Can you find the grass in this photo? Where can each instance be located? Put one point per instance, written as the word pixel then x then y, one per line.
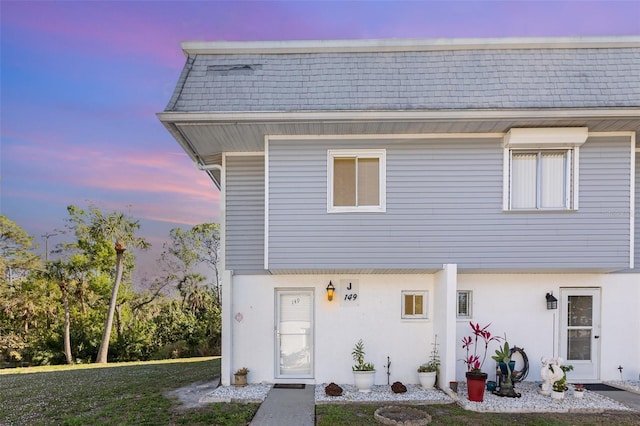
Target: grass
pixel 122 394
pixel 135 394
pixel 452 414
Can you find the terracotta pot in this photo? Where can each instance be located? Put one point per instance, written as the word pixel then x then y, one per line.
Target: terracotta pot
pixel 475 386
pixel 241 379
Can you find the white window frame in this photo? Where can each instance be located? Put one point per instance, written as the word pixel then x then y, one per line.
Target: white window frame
pixel 425 304
pixel 540 140
pixel 381 155
pixel 568 186
pixel 469 313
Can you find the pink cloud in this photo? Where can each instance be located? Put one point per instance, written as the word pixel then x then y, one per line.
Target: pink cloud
pixel 159 184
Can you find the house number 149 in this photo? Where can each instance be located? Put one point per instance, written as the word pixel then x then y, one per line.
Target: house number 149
pixel 351 292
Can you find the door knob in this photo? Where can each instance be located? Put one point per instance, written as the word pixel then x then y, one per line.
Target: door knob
pixel 596 337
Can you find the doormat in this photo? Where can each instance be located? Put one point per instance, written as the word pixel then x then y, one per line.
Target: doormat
pixel 599 387
pixel 289 386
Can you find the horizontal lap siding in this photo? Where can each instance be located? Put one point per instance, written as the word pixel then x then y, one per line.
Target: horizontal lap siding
pixel 444 205
pixel 244 188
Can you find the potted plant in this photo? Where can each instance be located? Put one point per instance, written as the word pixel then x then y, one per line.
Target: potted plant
pixel 428 372
pixel 363 372
pixel 578 390
pixel 557 374
pixel 476 379
pixel 506 366
pixel 240 376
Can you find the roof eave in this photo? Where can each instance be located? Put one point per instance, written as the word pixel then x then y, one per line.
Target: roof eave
pixel 295 116
pixel 403 45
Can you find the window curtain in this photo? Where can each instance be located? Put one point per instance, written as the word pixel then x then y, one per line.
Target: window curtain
pixel 524 180
pixel 552 177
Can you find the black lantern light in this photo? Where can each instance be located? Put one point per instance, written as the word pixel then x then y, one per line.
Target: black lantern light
pixel 330 290
pixel 552 302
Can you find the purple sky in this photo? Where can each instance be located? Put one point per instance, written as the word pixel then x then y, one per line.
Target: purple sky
pixel 81 83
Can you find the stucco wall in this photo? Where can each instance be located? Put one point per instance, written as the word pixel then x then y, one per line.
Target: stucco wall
pixel 337 328
pixel 513 303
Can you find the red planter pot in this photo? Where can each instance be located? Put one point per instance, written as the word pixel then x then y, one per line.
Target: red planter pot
pixel 476 384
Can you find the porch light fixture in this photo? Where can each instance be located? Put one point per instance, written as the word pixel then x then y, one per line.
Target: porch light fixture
pixel 552 302
pixel 330 290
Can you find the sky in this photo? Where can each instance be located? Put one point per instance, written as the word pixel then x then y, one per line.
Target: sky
pixel 81 83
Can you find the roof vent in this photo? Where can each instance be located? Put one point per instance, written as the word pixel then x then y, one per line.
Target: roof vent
pixel 235 69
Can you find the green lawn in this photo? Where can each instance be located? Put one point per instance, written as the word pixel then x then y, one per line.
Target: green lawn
pixel 454 415
pixel 135 394
pixel 115 394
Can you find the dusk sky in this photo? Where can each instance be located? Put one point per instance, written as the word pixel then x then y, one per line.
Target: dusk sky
pixel 81 83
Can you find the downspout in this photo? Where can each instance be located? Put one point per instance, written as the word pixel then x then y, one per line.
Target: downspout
pixel 209 168
pixel 226 279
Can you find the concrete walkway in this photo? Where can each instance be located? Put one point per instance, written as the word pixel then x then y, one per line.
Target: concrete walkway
pixel 287 407
pixel 630 399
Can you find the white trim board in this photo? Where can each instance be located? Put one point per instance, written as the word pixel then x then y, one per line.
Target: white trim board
pixel 403 45
pixel 196 118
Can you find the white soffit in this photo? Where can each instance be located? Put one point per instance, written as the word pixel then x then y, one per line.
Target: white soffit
pixel 545 137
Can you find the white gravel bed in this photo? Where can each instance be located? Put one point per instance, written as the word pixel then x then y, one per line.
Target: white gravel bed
pixel 250 393
pixel 532 402
pixel 630 386
pixel 383 393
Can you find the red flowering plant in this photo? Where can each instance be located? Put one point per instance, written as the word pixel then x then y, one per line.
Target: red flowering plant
pixel 480 336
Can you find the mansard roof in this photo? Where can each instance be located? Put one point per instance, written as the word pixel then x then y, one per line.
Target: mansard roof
pixel 384 75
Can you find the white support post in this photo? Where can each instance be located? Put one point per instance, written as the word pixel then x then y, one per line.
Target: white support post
pixel 446 285
pixel 227 328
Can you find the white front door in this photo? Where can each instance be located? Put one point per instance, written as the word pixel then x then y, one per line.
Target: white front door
pixel 580 332
pixel 294 334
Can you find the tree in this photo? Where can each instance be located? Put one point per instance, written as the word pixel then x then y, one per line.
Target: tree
pixel 16 258
pixel 19 309
pixel 93 227
pixel 184 261
pixel 198 246
pixel 58 272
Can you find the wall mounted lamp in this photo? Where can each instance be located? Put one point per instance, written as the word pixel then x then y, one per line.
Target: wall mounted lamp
pixel 330 291
pixel 552 302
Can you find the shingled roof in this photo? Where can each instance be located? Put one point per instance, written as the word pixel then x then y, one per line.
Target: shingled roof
pixel 231 94
pixel 409 75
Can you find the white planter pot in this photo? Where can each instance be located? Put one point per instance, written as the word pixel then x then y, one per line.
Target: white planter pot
pixel 364 380
pixel 578 394
pixel 428 379
pixel 557 395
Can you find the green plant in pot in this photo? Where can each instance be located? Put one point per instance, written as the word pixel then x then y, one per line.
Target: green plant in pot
pixel 560 385
pixel 503 358
pixel 428 372
pixel 363 372
pixel 554 373
pixel 241 376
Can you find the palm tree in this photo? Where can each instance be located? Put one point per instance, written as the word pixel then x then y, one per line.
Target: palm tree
pixel 59 273
pixel 120 229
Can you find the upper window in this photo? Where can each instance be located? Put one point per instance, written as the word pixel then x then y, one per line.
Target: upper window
pixel 357 181
pixel 414 304
pixel 541 179
pixel 540 168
